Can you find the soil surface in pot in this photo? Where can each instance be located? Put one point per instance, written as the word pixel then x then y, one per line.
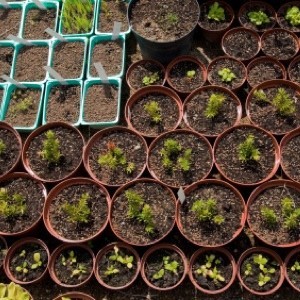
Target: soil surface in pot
pixel 64 103
pixel 23 107
pixel 142 121
pixel 61 220
pixel 101 103
pixel 124 274
pixel 37 21
pixel 207 233
pixel 280 45
pixel 133 150
pixel 200 160
pixel 110 54
pixel 242 45
pixel 165 20
pixel 234 66
pixel 196 107
pixel 162 208
pixel 30 63
pixel 10 20
pixel 24 257
pixel 68 59
pixel 294 275
pixel 6 59
pixel 70 147
pixel 272 198
pixel 294 72
pixel 73 265
pixel 251 171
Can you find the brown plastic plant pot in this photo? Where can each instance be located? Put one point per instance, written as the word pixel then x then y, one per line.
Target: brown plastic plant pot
pixel 210 34
pixel 118 232
pixel 269 252
pixel 223 252
pixel 140 94
pixel 281 12
pixel 55 254
pixel 109 247
pixel 98 136
pixel 252 198
pixel 189 59
pixel 55 192
pixel 265 60
pixel 148 64
pixel 294 64
pixel 75 295
pixel 40 130
pixel 286 264
pixel 11 251
pixel 3 250
pixel 257 6
pixel 163 246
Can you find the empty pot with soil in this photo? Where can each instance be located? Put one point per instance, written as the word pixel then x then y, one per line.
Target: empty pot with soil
pixel 288 16
pixel 7 50
pixel 294 70
pixel 292 268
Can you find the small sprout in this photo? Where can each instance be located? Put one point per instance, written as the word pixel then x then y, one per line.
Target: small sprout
pixel 172 267
pixel 70 260
pixel 287 206
pixel 226 75
pixel 296 266
pixel 146 216
pixel 293 15
pixel 2 147
pixel 260 260
pixel 23 268
pixel 151 79
pixel 184 161
pixel 105 9
pixel 247 150
pixel 214 105
pixel 284 103
pixel 190 74
pixel 160 274
pixel 12 206
pixel 263 279
pixel 269 216
pixel 81 269
pixel 51 148
pixel 111 270
pixel 154 111
pixel 292 221
pixel 260 95
pixel 23 253
pixel 258 18
pixel 216 12
pixel 23 104
pixel 172 19
pixel 37 261
pixel 248 270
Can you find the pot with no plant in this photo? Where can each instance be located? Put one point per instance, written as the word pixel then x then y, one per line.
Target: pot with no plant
pixel 294 70
pixel 292 268
pixel 164 267
pixel 76 210
pixel 215 19
pixel 212 214
pixel 275 106
pixel 26 261
pixel 71 266
pixel 246 155
pixel 288 16
pixel 74 296
pixel 274 213
pixel 179 158
pixel 260 271
pixel 117 266
pixel 53 152
pixel 212 271
pixel 153 110
pixel 142 212
pixel 13 291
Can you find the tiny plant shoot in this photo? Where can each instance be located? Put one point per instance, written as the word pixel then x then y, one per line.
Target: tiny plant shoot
pixel 12 206
pixel 190 74
pixel 51 148
pixel 172 19
pixel 154 111
pixel 226 75
pixel 2 147
pixel 258 18
pixel 168 267
pixel 293 15
pixel 296 267
pixel 216 13
pixel 214 105
pixel 151 79
pixel 247 150
pixel 23 103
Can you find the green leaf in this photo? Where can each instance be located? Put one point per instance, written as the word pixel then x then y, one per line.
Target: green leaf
pixel 159 274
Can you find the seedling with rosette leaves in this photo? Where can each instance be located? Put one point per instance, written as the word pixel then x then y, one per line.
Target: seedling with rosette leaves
pixel 12 206
pixel 247 151
pixel 153 109
pixel 168 267
pixel 216 12
pixel 214 105
pixel 258 18
pixel 226 75
pixel 51 148
pixel 293 15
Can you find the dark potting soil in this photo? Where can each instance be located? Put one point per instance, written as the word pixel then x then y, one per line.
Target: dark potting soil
pixel 235 67
pixel 280 45
pixel 125 274
pixel 200 160
pixel 110 12
pixel 294 276
pixel 179 79
pixel 271 198
pixel 64 103
pixel 134 152
pixel 164 20
pixel 68 59
pixel 263 71
pixel 10 20
pixel 64 266
pixel 23 115
pixel 195 108
pixel 18 259
pixel 3 250
pixel 227 156
pixel 241 45
pixel 294 72
pixel 110 54
pixel 30 63
pixel 266 116
pixel 252 280
pixel 155 263
pixel 37 21
pixel 101 103
pixel 34 198
pixel 162 207
pixel 6 59
pixel 70 147
pixel 283 23
pixel 77 230
pixel 224 268
pixel 12 150
pixel 207 233
pixel 142 121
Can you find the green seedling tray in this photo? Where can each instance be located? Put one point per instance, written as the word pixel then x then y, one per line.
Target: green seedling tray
pixel 5 104
pixel 117 82
pixel 103 38
pixel 49 86
pixel 71 39
pixel 13 45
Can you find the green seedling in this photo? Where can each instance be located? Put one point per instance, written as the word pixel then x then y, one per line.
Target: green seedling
pixel 23 103
pixel 123 259
pixel 171 267
pixel 2 147
pixel 214 105
pixel 269 216
pixel 226 75
pixel 293 15
pixel 258 18
pixel 111 270
pixel 37 261
pixel 191 74
pixel 79 271
pixel 12 206
pixel 172 19
pixel 260 96
pixel 23 268
pixel 263 279
pixel 154 111
pixel 247 150
pixel 70 260
pixel 151 79
pixel 51 148
pixel 105 9
pixel 13 291
pixel 295 267
pixel 216 12
pixel 248 270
